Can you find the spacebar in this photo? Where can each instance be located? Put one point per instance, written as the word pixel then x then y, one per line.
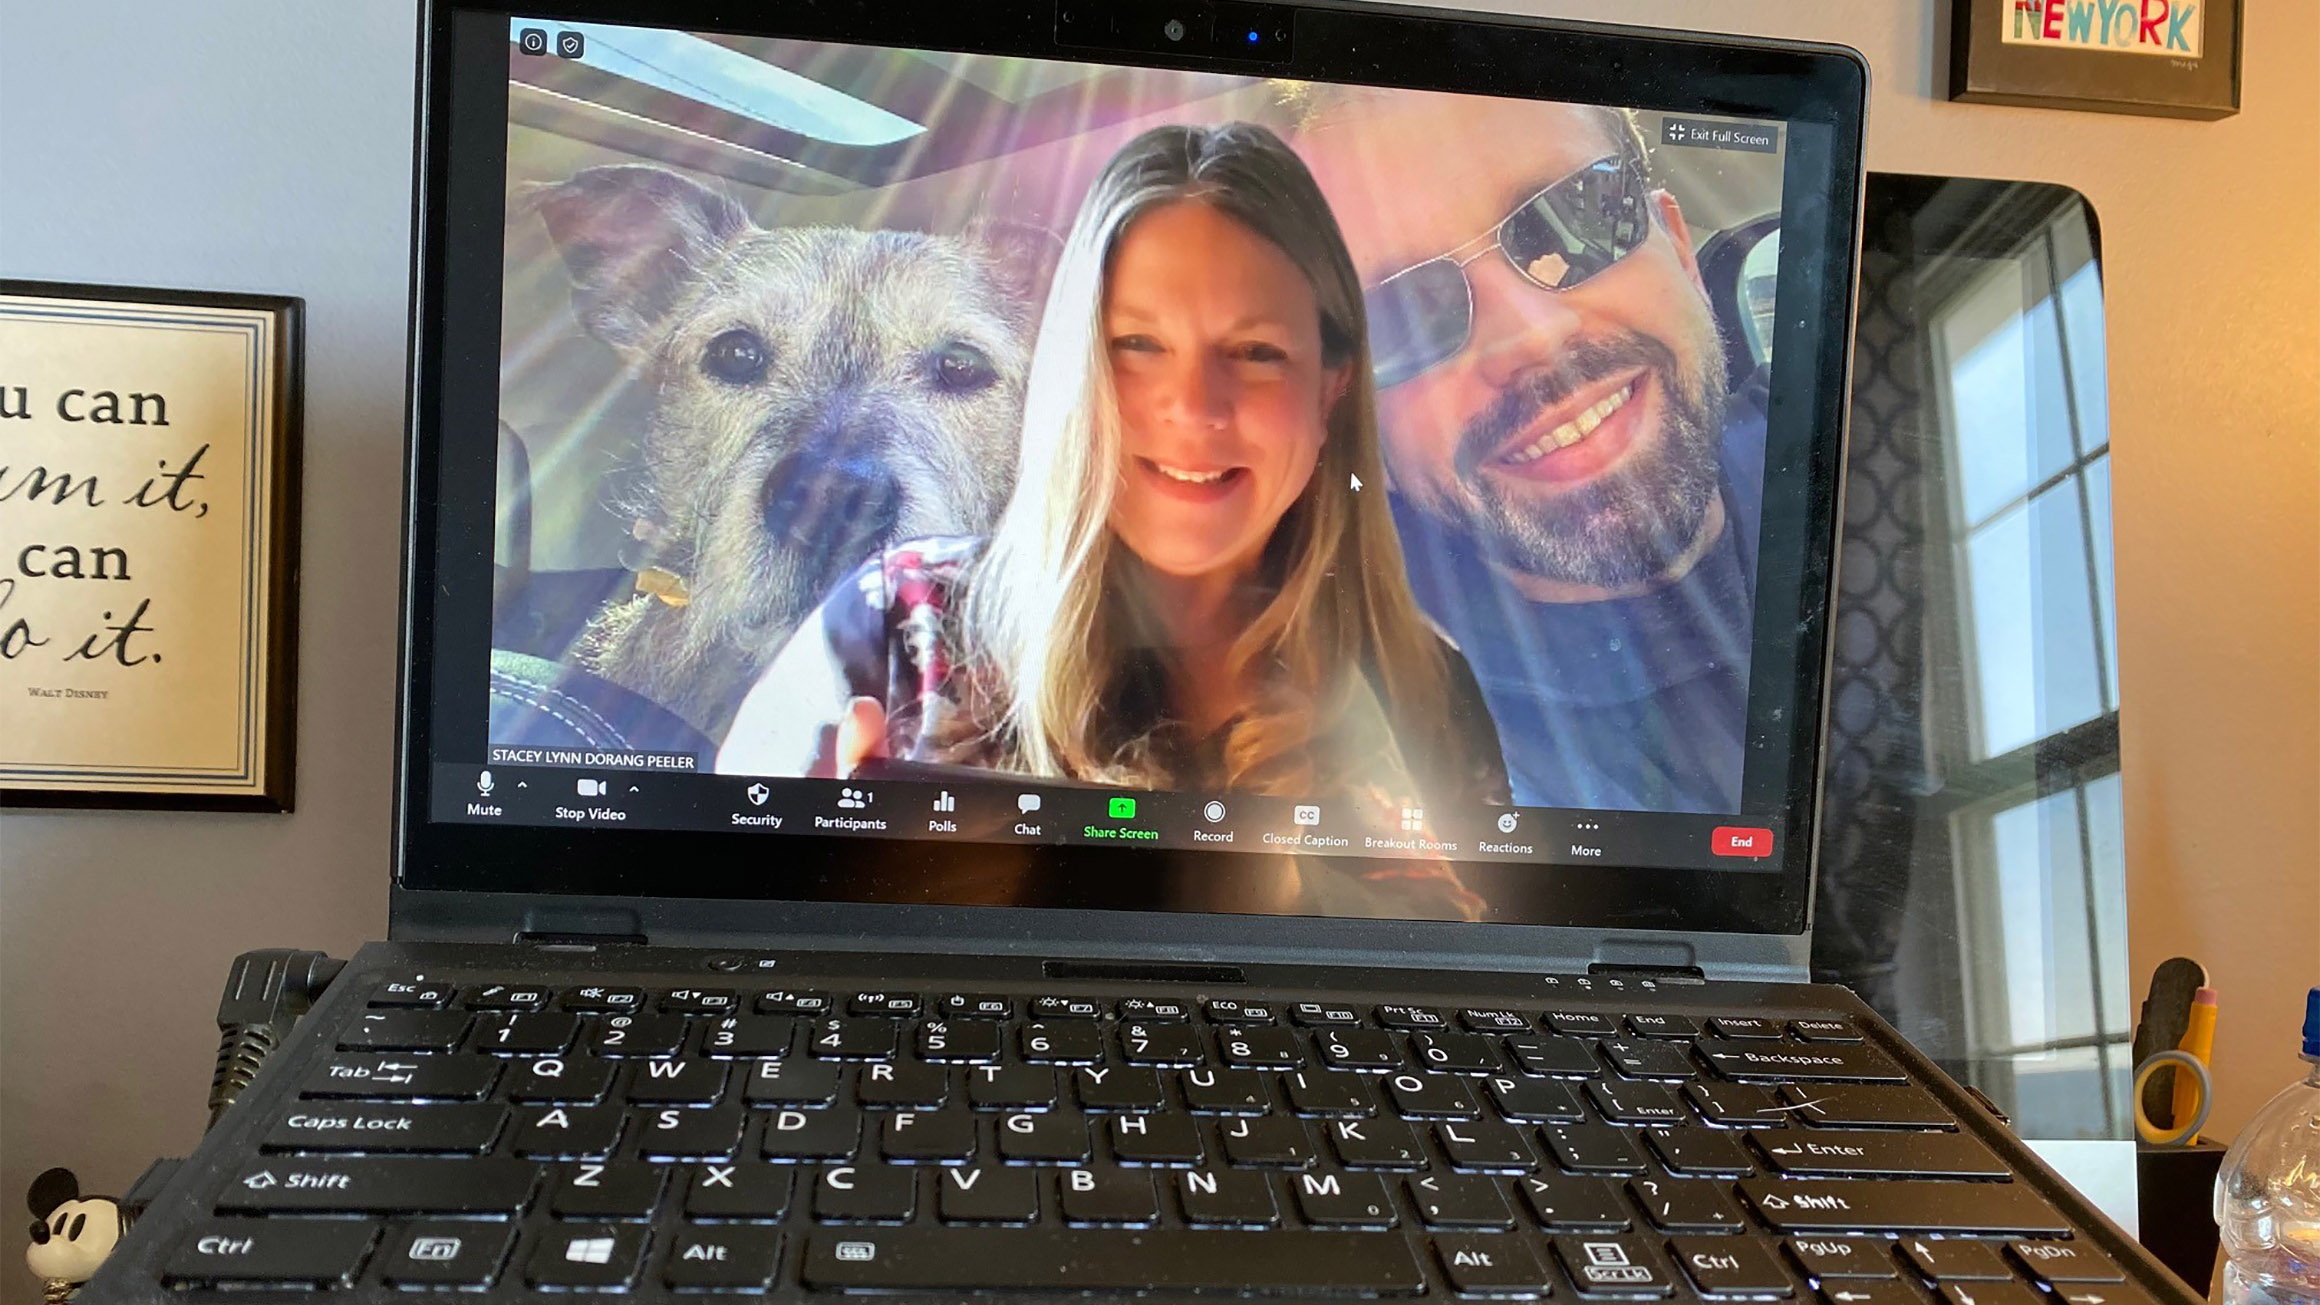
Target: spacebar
pixel 1026 1259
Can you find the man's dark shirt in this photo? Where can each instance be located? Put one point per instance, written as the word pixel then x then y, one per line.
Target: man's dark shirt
pixel 1631 704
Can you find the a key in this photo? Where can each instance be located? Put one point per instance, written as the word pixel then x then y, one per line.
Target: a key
pixel 1328 1094
pixel 1663 1026
pixel 1334 1199
pixel 906 1084
pixel 676 1082
pixel 1990 1293
pixel 686 1133
pixel 1097 1197
pixel 1066 1008
pixel 1456 1053
pixel 1431 1096
pixel 1824 1031
pixel 2057 1263
pixel 524 1033
pixel 380 1185
pixel 1536 1101
pixel 254 1253
pixel 866 1194
pixel 1372 1049
pixel 1567 1203
pixel 1224 1198
pixel 622 1190
pixel 1061 1042
pixel 883 1003
pixel 1260 1048
pixel 921 1137
pixel 566 1132
pixel 506 996
pixel 1411 1018
pixel 962 1041
pixel 1842 1257
pixel 1948 1259
pixel 1459 1201
pixel 1739 1105
pixel 1375 1144
pixel 842 1038
pixel 950 1261
pixel 826 1133
pixel 1992 1209
pixel 1701 1152
pixel 793 1001
pixel 1744 1026
pixel 638 1035
pixel 1844 1105
pixel 1274 1143
pixel 1650 1058
pixel 1730 1266
pixel 559 1080
pixel 448 1129
pixel 1486 1265
pixel 445 1253
pixel 1136 1009
pixel 1322 1014
pixel 586 1257
pixel 1168 1044
pixel 1636 1103
pixel 1169 1140
pixel 1784 1062
pixel 1232 1010
pixel 392 1077
pixel 1583 1023
pixel 604 1000
pixel 738 1190
pixel 1612 1266
pixel 1484 1146
pixel 1118 1087
pixel 739 1260
pixel 987 1194
pixel 700 1001
pixel 1818 1153
pixel 404 1030
pixel 991 1087
pixel 1686 1204
pixel 1495 1021
pixel 1047 1137
pixel 412 994
pixel 1593 1148
pixel 1554 1057
pixel 966 1006
pixel 1224 1091
pixel 791 1083
pixel 1870 1292
pixel 748 1037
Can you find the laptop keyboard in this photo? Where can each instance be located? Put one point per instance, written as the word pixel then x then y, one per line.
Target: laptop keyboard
pixel 518 1138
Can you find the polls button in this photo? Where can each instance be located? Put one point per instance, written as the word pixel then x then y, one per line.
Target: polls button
pixel 1733 840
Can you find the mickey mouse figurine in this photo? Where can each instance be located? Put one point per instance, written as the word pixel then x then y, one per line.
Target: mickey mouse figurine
pixel 71 1234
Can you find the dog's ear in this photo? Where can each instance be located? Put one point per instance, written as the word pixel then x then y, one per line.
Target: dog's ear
pixel 1023 257
pixel 633 237
pixel 53 1188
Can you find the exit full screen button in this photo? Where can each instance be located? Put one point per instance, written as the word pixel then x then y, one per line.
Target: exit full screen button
pixel 1737 840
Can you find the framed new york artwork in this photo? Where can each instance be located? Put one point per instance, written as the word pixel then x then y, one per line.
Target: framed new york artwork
pixel 149 447
pixel 2168 58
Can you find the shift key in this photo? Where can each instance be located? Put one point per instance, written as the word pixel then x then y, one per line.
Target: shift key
pixel 1902 1206
pixel 385 1185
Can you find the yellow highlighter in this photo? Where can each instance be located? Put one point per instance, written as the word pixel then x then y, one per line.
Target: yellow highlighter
pixel 2199 1040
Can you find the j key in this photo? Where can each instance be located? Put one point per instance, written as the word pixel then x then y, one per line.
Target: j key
pixel 861 1038
pixel 380 1185
pixel 1784 1062
pixel 1066 1008
pixel 739 1190
pixel 1328 1094
pixel 1701 1152
pixel 1837 1106
pixel 1824 1031
pixel 1991 1293
pixel 1106 1197
pixel 1485 1146
pixel 793 1001
pixel 1491 1266
pixel 524 1033
pixel 1686 1204
pixel 1431 1096
pixel 1554 1057
pixel 883 1003
pixel 1456 1053
pixel 1322 1014
pixel 505 996
pixel 1536 1101
pixel 1842 1257
pixel 1215 1198
pixel 1118 1087
pixel 404 1030
pixel 1612 1266
pixel 1739 1105
pixel 866 1194
pixel 605 1000
pixel 1161 1044
pixel 1582 1023
pixel 1062 1042
pixel 1224 1091
pixel 1357 1048
pixel 412 994
pixel 1171 1140
pixel 1730 1266
pixel 586 1257
pixel 721 1259
pixel 903 1083
pixel 248 1253
pixel 965 1006
pixel 748 1037
pixel 1376 1144
pixel 2055 1263
pixel 1141 1009
pixel 1232 1010
pixel 1341 1200
pixel 827 1134
pixel 404 1078
pixel 1902 1206
pixel 1564 1203
pixel 993 1086
pixel 701 1001
pixel 1594 1148
pixel 447 1129
pixel 1809 1153
pixel 1744 1026
pixel 987 1194
pixel 1649 1058
pixel 1623 1102
pixel 1495 1021
pixel 1260 1048
pixel 567 1132
pixel 791 1083
pixel 920 1137
pixel 1047 1138
pixel 559 1080
pixel 638 1035
pixel 1663 1026
pixel 1276 1143
pixel 679 1133
pixel 1459 1201
pixel 1946 1259
pixel 442 1253
pixel 676 1082
pixel 625 1190
pixel 949 1261
pixel 1411 1018
pixel 963 1041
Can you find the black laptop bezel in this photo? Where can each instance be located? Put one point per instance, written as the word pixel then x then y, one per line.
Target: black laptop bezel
pixel 463 879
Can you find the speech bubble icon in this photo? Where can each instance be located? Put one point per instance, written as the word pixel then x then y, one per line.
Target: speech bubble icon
pixel 1026 803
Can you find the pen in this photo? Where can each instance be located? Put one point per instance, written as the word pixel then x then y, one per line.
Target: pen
pixel 2199 1040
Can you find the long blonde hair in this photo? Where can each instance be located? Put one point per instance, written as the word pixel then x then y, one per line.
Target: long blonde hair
pixel 1053 616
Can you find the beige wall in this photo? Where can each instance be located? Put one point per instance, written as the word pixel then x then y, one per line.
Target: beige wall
pixel 263 145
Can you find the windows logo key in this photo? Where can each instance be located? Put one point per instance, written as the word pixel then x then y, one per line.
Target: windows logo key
pixel 588 1250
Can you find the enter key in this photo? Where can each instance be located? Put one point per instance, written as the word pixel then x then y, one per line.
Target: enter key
pixel 1818 1153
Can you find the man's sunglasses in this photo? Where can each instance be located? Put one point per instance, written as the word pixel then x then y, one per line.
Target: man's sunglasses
pixel 1423 315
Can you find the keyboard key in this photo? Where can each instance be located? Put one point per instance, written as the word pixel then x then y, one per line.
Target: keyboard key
pixel 1583 1023
pixel 1857 1292
pixel 1142 1009
pixel 1232 1010
pixel 1411 1018
pixel 1048 1137
pixel 1457 1053
pixel 586 1257
pixel 899 1004
pixel 1701 1152
pixel 866 1194
pixel 1107 1197
pixel 1342 1200
pixel 1663 1026
pixel 1612 1266
pixel 1175 1045
pixel 1650 1058
pixel 2056 1263
pixel 1946 1260
pixel 1594 1148
pixel 1214 1198
pixel 1902 1206
pixel 1554 1057
pixel 793 1001
pixel 559 1080
pixel 955 1260
pixel 1118 1087
pixel 829 1133
pixel 2103 1294
pixel 604 1000
pixel 1842 1257
pixel 965 1006
pixel 1824 1031
pixel 920 1137
pixel 1565 1203
pixel 627 1190
pixel 961 1041
pixel 404 1030
pixel 250 1253
pixel 1495 1021
pixel 444 1253
pixel 506 996
pixel 1171 1140
pixel 1730 1266
pixel 791 1083
pixel 1376 1144
pixel 1459 1201
pixel 987 1194
pixel 1275 1143
pixel 1739 1105
pixel 906 1084
pixel 1328 1094
pixel 1357 1049
pixel 567 1132
pixel 687 1133
pixel 866 1038
pixel 381 1185
pixel 1322 1014
pixel 721 1259
pixel 635 1035
pixel 1847 1106
pixel 1536 1101
pixel 1431 1096
pixel 1066 1008
pixel 1990 1293
pixel 1623 1102
pixel 439 1129
pixel 1686 1204
pixel 676 1082
pixel 1808 1153
pixel 524 1033
pixel 1744 1026
pixel 700 1001
pixel 738 1191
pixel 1062 1042
pixel 1224 1092
pixel 1483 1265
pixel 1783 1062
pixel 1484 1146
pixel 1260 1048
pixel 412 994
pixel 990 1087
pixel 748 1037
pixel 392 1077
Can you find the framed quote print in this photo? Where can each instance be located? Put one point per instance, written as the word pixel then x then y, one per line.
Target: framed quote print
pixel 149 447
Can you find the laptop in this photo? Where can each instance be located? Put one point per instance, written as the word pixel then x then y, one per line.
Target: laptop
pixel 1123 649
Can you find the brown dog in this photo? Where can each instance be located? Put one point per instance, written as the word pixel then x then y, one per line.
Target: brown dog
pixel 820 392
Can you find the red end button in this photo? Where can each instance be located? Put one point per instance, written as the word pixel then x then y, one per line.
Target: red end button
pixel 1731 840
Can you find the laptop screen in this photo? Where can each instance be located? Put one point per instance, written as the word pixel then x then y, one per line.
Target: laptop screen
pixel 1331 498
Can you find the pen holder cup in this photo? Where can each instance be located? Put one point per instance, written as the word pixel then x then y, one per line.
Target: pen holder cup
pixel 2176 1194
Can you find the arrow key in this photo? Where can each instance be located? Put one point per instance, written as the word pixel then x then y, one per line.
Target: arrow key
pixel 1854 1292
pixel 1944 1260
pixel 1990 1293
pixel 2106 1294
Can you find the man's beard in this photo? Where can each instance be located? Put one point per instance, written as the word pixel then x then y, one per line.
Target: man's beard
pixel 1629 524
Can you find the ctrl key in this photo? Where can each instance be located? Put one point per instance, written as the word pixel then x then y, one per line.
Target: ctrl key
pixel 271 1253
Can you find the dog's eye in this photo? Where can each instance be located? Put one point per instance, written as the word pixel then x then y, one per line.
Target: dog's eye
pixel 962 368
pixel 737 357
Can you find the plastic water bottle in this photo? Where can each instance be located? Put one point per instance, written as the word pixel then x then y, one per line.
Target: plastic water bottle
pixel 2267 1196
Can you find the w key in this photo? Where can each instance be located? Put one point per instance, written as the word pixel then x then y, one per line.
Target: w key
pixel 450 1129
pixel 676 1082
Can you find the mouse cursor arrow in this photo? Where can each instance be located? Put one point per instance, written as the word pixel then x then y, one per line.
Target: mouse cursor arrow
pixel 1357 484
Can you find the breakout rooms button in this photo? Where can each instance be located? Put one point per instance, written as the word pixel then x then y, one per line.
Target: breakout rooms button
pixel 1732 840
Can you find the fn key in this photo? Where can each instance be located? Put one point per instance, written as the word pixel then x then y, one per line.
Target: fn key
pixel 266 1253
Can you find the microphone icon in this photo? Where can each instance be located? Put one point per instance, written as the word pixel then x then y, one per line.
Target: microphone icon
pixel 483 783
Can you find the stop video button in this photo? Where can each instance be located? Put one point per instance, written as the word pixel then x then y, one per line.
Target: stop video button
pixel 1735 840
